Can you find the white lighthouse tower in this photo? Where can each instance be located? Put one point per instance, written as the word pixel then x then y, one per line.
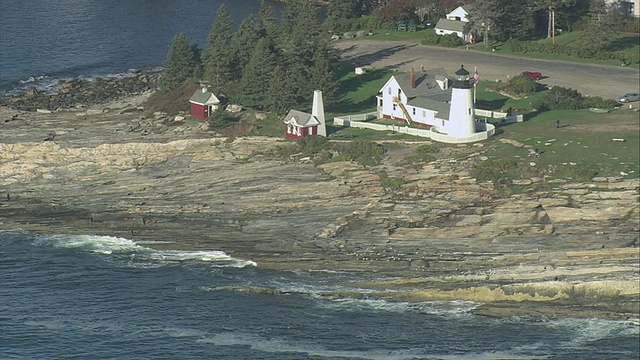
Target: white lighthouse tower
pixel 461 112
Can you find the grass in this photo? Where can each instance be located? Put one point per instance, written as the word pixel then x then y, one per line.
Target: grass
pixel 489 100
pixel 359 92
pixel 619 42
pixel 583 140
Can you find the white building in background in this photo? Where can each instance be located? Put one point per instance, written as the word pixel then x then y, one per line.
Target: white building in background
pixel 456 22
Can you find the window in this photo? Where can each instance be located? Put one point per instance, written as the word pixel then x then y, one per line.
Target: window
pixel 394 107
pixel 424 113
pixel 389 91
pixel 380 103
pixel 442 122
pixel 469 111
pixel 414 111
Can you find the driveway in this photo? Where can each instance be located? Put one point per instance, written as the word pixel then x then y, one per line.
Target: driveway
pixel 608 82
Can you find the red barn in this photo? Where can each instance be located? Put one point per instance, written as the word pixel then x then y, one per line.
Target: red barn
pixel 300 124
pixel 203 103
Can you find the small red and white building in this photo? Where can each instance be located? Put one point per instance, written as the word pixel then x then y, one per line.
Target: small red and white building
pixel 300 124
pixel 203 103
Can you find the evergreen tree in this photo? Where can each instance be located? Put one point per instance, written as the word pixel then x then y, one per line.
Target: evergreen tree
pixel 182 63
pixel 517 21
pixel 253 90
pixel 281 96
pixel 243 43
pixel 267 18
pixel 323 77
pixel 217 57
pixel 599 30
pixel 486 16
pixel 343 9
pixel 553 9
pixel 196 53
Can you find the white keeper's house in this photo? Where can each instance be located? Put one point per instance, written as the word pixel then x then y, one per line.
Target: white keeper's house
pixel 431 100
pixel 456 22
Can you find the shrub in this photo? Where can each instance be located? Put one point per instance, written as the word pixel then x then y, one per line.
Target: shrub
pixel 221 119
pixel 362 151
pixel 427 149
pixel 521 86
pixel 560 98
pixel 494 170
pixel 389 182
pixel 450 40
pixel 312 145
pixel 431 38
pixel 518 87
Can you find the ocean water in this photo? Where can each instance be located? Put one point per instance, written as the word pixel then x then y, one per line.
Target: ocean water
pixel 97 297
pixel 42 41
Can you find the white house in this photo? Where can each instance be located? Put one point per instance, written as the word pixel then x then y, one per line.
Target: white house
pixel 456 22
pixel 416 98
pixel 430 99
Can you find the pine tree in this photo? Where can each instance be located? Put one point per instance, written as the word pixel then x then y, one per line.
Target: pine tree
pixel 599 30
pixel 253 90
pixel 182 63
pixel 323 77
pixel 267 18
pixel 281 96
pixel 243 43
pixel 486 16
pixel 217 57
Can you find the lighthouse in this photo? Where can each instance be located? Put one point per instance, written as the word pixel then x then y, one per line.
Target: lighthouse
pixel 461 111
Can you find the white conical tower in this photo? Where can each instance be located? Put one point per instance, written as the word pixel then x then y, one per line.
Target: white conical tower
pixel 461 113
pixel 317 110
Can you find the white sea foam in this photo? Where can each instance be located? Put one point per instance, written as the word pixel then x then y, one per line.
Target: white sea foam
pixel 279 345
pixel 584 331
pixel 138 256
pixel 444 308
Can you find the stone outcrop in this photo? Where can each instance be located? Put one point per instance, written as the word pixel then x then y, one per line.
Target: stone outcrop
pixel 443 235
pixel 78 92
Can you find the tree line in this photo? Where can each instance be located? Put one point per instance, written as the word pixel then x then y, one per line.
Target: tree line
pixel 265 64
pixel 275 65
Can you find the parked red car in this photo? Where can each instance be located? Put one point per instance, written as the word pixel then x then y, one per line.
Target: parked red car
pixel 532 75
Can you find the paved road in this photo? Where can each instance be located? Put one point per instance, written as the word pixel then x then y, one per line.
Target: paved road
pixel 608 82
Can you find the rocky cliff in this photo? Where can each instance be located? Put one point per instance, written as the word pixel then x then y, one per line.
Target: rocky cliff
pixel 442 236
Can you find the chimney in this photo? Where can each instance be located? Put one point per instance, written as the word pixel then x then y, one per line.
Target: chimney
pixel 317 110
pixel 412 79
pixel 204 89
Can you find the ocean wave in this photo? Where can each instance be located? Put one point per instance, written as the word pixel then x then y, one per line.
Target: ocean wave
pixel 585 331
pixel 135 254
pixel 440 308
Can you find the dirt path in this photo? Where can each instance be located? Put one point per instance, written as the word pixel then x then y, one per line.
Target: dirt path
pixel 592 80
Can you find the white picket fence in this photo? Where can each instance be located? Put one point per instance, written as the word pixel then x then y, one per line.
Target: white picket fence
pixel 486 130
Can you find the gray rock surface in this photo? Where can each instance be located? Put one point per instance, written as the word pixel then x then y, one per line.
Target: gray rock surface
pixel 443 235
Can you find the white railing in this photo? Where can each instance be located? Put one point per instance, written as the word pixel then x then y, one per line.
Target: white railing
pixel 486 130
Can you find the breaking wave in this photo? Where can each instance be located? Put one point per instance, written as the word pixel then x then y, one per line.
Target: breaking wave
pixel 136 254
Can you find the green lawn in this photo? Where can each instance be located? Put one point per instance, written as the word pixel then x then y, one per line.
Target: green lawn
pixel 359 92
pixel 585 139
pixel 620 42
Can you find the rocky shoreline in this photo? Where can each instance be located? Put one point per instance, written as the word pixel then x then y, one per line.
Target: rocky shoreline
pixel 570 250
pixel 81 93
